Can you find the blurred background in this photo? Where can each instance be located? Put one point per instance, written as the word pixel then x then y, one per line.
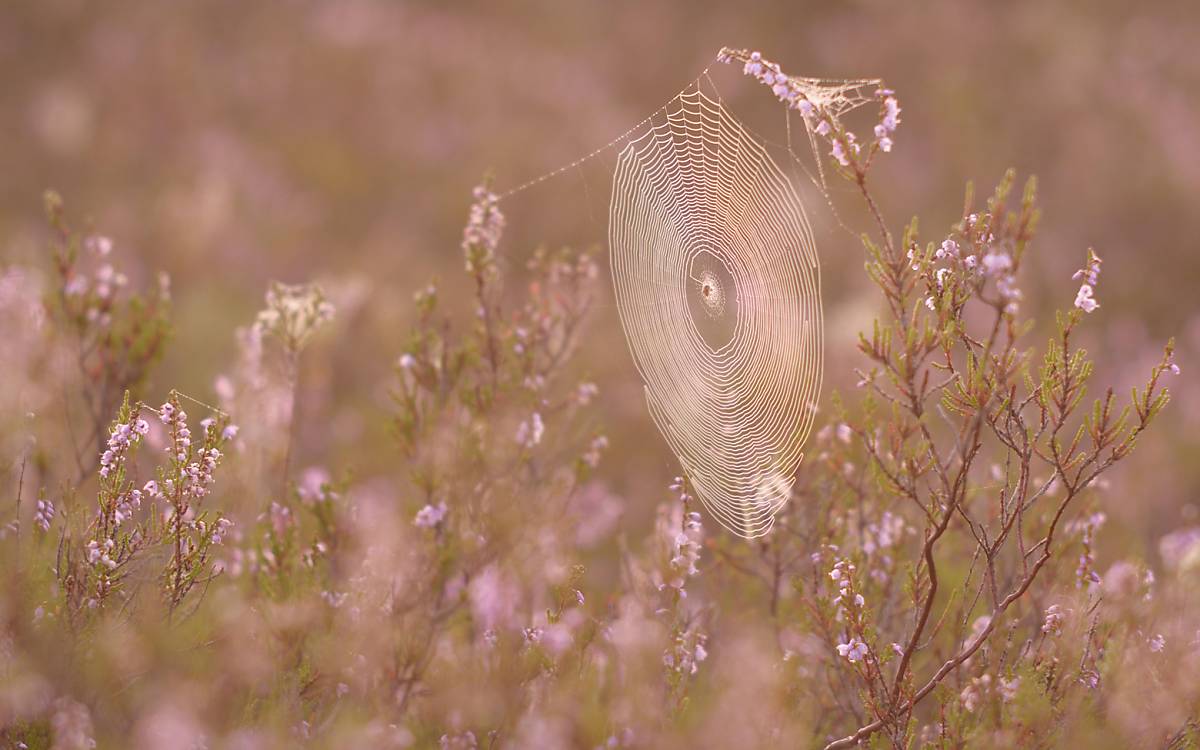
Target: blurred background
pixel 232 143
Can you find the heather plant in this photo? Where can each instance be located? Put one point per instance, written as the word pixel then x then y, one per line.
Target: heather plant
pixel 938 577
pixel 116 336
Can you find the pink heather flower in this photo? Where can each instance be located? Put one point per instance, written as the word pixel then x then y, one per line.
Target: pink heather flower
pixel 948 249
pixel 529 432
pixel 481 235
pixel 1052 624
pixel 1179 546
pixel 430 516
pixel 973 693
pixel 312 481
pixel 1084 299
pixel 585 393
pixel 43 515
pixel 995 263
pixel 76 286
pixel 823 127
pixel 591 456
pixel 532 635
pixel 1157 643
pixel 839 152
pixel 891 116
pixel 853 650
pixel 123 437
pixel 1090 273
pixel 464 741
pixel 98 553
pixel 98 245
pixel 230 432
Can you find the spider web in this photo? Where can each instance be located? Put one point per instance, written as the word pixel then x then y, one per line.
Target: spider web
pixel 717 286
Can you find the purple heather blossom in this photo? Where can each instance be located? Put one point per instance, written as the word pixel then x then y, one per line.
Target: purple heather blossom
pixel 853 650
pixel 591 456
pixel 43 514
pixel 481 235
pixel 1084 299
pixel 995 263
pixel 1179 546
pixel 1053 622
pixel 98 245
pixel 839 153
pixel 1090 275
pixel 529 432
pixel 123 437
pixel 430 516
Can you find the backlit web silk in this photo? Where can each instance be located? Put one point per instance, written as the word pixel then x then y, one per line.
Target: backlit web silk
pixel 718 290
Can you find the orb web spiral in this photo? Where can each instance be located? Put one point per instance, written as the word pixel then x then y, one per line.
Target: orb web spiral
pixel 718 290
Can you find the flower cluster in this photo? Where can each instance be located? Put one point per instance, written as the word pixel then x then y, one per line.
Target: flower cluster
pixel 820 103
pixel 684 543
pixel 481 235
pixel 843 575
pixel 591 457
pixel 686 652
pixel 123 437
pixel 530 431
pixel 1090 274
pixel 195 473
pixel 1052 623
pixel 430 516
pixel 889 121
pixel 853 650
pixel 789 90
pixel 1086 528
pixel 294 312
pixel 43 514
pixel 989 259
pixel 94 293
pixel 99 553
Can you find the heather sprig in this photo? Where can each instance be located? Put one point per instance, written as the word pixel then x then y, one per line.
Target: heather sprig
pixel 118 335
